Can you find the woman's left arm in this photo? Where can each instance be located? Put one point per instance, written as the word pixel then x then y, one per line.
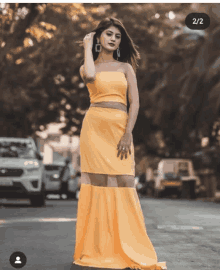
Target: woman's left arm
pixel 133 97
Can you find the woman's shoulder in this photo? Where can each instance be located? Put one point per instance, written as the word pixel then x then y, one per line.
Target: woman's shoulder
pixel 128 69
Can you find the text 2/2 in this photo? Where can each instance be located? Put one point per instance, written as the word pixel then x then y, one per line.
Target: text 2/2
pixel 196 21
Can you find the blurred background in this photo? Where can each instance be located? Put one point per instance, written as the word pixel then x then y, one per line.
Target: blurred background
pixel 42 95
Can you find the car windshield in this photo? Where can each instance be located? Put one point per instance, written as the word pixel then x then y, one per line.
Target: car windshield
pixel 183 172
pixel 183 169
pixel 17 150
pixel 170 175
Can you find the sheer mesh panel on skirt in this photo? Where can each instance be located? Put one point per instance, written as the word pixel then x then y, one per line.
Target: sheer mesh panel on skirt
pixel 107 180
pixel 110 227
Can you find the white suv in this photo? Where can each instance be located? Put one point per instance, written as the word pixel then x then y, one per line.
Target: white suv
pixel 21 170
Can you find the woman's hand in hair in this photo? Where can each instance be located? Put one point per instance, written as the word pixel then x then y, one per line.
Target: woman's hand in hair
pixel 88 40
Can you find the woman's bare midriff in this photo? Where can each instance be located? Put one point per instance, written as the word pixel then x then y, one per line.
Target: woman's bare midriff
pixel 110 104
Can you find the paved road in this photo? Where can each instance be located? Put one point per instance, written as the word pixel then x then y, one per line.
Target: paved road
pixel 184 233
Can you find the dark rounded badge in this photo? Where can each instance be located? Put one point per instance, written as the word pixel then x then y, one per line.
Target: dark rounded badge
pixel 18 259
pixel 197 21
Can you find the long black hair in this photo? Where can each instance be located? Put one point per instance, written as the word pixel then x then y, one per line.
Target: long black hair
pixel 128 52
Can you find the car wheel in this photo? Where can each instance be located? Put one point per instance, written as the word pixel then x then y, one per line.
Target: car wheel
pixel 71 195
pixel 38 200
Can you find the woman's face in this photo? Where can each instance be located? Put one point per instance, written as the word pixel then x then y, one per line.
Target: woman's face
pixel 111 35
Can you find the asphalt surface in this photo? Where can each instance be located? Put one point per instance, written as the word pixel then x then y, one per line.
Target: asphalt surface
pixel 185 234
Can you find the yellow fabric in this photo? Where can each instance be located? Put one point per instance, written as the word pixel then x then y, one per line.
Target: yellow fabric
pixel 108 86
pixel 102 129
pixel 110 230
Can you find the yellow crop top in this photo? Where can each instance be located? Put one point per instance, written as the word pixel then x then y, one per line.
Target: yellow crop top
pixel 108 86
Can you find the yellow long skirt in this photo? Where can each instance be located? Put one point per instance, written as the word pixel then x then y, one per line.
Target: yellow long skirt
pixel 110 227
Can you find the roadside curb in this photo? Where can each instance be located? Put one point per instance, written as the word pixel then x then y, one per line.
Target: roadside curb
pixel 215 199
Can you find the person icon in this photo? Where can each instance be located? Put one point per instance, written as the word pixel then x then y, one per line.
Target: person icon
pixel 18 260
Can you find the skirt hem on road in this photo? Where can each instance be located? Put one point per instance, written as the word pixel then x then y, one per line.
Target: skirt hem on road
pixel 111 232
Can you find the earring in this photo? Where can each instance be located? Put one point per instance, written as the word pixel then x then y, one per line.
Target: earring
pixel 118 52
pixel 96 48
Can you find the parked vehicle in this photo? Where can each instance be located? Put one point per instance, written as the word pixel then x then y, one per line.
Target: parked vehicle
pixel 21 170
pixel 176 176
pixel 53 182
pixel 51 178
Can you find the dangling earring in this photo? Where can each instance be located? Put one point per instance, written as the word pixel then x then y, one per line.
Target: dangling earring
pixel 118 52
pixel 96 47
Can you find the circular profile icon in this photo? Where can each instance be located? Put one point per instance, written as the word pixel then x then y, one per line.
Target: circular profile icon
pixel 18 259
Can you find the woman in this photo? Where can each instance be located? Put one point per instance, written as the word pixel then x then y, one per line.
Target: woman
pixel 110 228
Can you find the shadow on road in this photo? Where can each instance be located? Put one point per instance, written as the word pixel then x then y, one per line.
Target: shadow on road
pixel 78 267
